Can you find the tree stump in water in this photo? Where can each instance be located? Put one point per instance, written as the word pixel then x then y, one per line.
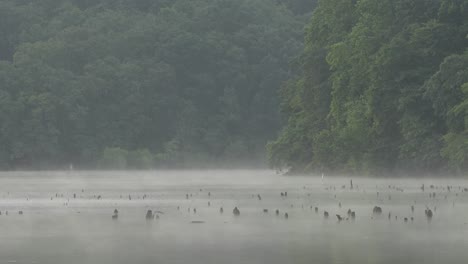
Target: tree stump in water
pixel 236 211
pixel 377 210
pixel 149 215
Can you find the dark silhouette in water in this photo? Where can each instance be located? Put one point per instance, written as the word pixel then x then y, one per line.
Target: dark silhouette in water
pixel 428 213
pixel 339 218
pixel 316 209
pixel 412 208
pixel 149 215
pixel 221 210
pixel 277 212
pixel 115 215
pixel 325 214
pixel 236 211
pixel 265 210
pixel 286 215
pixel 377 210
pixel 259 197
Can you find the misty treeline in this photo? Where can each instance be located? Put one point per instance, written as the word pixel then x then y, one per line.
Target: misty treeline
pixel 143 83
pixel 383 89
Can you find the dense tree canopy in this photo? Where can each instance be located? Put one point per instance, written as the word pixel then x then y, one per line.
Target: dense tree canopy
pixel 381 86
pixel 130 84
pixel 383 89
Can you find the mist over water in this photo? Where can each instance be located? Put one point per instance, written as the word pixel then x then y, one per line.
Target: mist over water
pixel 55 229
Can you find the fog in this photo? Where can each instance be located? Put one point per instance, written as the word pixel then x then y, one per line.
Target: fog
pixel 55 229
pixel 119 120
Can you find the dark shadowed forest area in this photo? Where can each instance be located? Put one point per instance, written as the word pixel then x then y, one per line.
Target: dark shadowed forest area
pixel 143 83
pixel 327 86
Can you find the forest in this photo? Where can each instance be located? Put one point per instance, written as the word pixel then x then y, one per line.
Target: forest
pixel 143 83
pixel 382 89
pixel 366 87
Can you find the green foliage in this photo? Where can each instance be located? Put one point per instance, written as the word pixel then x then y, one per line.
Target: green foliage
pixel 456 141
pixel 140 159
pixel 113 158
pixel 380 90
pixel 118 158
pixel 190 81
pixel 456 150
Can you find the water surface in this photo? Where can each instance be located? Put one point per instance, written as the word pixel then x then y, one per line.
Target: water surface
pixel 57 228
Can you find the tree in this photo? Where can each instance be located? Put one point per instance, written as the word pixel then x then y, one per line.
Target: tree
pixel 371 98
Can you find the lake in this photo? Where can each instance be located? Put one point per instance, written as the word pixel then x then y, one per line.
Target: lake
pixel 57 227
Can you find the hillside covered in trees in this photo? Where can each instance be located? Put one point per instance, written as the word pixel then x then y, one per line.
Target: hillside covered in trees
pixel 143 83
pixel 383 89
pixel 379 86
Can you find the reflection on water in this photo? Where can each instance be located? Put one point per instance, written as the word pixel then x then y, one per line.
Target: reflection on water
pixel 58 228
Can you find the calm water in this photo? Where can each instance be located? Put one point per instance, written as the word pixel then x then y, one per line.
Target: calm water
pixel 56 229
